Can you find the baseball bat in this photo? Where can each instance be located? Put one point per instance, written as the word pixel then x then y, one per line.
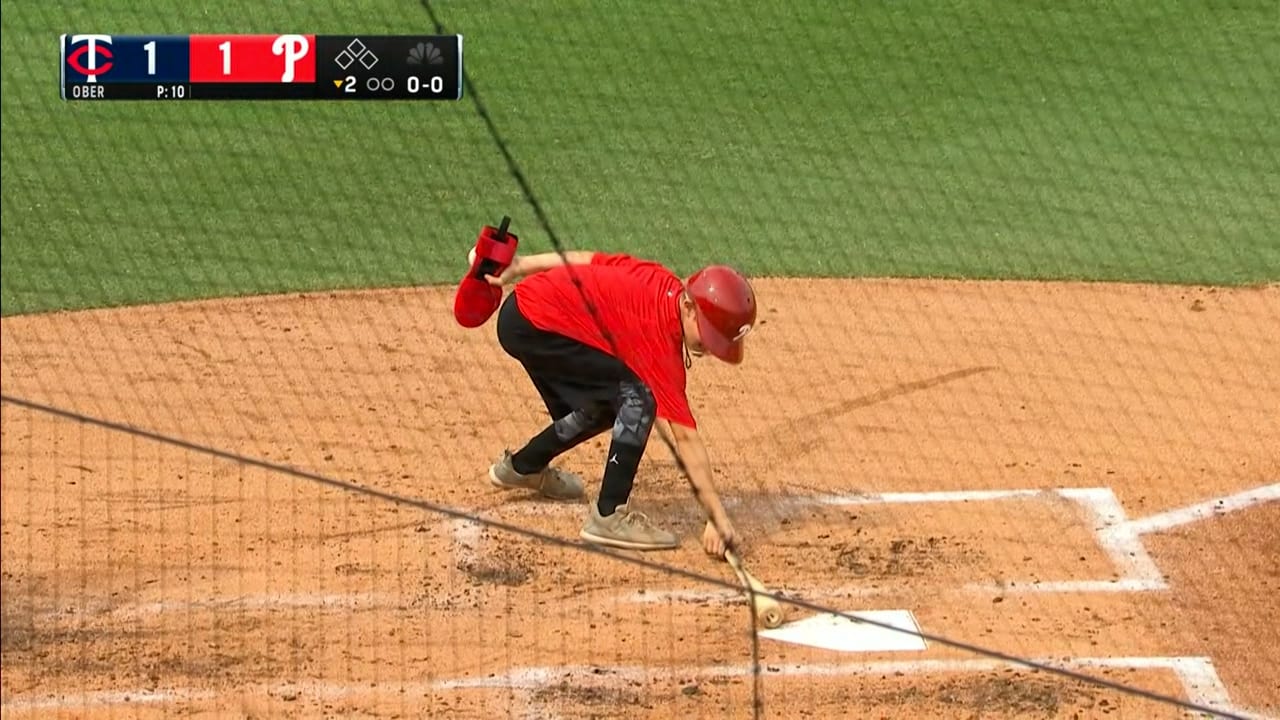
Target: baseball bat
pixel 767 609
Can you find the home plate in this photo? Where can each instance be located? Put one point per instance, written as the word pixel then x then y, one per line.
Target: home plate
pixel 834 632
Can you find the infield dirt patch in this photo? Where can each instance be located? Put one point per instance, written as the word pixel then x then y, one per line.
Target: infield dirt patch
pixel 142 578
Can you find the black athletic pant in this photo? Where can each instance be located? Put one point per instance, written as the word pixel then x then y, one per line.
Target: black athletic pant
pixel 586 392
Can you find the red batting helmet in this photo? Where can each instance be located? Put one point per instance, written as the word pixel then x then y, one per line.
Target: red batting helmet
pixel 726 309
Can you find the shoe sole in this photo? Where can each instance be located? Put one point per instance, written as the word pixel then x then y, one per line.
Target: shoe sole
pixel 625 544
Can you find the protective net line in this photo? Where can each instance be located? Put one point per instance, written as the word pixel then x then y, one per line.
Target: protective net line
pixel 534 535
pixel 531 198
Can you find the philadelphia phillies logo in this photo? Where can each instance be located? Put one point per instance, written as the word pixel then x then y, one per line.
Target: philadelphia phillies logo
pixel 94 46
pixel 292 48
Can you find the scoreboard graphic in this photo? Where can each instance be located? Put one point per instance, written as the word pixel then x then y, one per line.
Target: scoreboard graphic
pixel 261 67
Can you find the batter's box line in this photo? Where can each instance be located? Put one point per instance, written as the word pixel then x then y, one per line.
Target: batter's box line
pixel 264 601
pixel 1199 678
pixel 734 597
pixel 1119 536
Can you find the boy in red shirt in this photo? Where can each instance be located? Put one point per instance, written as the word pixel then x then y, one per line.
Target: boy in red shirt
pixel 606 340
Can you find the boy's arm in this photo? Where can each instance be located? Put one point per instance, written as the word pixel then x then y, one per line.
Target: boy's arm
pixel 523 265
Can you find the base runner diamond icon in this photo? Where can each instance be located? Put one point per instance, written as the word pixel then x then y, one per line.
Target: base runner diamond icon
pixel 356 52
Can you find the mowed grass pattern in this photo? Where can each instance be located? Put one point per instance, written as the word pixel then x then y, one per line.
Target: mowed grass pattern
pixel 959 139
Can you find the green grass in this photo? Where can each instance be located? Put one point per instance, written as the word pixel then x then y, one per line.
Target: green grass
pixel 1131 141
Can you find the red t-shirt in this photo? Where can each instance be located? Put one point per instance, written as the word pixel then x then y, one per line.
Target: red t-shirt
pixel 636 301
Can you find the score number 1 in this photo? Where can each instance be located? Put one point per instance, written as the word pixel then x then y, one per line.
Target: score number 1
pixel 150 47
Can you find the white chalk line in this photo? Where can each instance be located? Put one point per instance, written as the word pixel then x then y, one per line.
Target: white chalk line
pixel 1210 508
pixel 1120 585
pixel 904 498
pixel 1123 546
pixel 258 601
pixel 1118 536
pixel 816 595
pixel 466 537
pixel 540 676
pixel 1197 675
pixel 1137 572
pixel 384 602
pixel 726 597
pixel 313 690
pixel 105 698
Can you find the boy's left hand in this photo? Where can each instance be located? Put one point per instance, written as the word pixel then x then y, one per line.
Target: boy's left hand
pixel 509 274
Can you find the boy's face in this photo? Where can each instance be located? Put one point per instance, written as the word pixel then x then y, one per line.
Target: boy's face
pixel 689 318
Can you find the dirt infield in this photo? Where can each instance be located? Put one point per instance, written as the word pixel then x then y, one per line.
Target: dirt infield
pixel 1078 473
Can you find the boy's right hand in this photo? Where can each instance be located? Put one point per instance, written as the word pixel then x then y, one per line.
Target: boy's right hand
pixel 718 537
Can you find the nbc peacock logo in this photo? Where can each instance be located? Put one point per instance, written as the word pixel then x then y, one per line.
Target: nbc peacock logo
pixel 425 54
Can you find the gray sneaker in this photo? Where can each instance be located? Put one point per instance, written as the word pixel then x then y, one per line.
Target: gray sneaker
pixel 551 482
pixel 628 529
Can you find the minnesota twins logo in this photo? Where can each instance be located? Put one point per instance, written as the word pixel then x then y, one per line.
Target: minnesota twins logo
pixel 94 46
